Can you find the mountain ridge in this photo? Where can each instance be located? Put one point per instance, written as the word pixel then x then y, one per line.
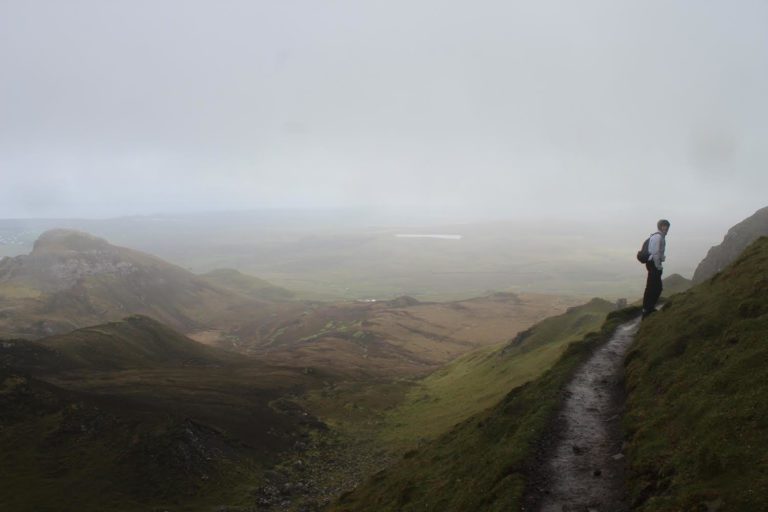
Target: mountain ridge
pixel 738 238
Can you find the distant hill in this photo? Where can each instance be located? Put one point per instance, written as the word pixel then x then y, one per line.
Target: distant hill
pixel 402 337
pixel 736 240
pixel 675 283
pixel 249 286
pixel 135 342
pixel 72 279
pixel 697 378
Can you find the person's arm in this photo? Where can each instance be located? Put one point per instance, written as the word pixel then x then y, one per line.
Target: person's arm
pixel 654 248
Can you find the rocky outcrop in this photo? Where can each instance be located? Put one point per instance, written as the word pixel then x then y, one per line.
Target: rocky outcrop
pixel 72 279
pixel 736 240
pixel 62 257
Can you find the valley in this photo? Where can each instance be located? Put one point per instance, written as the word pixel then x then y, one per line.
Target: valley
pixel 140 384
pixel 273 383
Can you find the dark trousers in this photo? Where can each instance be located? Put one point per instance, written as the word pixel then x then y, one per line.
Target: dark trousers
pixel 652 287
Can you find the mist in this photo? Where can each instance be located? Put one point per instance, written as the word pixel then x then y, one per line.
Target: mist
pixel 497 110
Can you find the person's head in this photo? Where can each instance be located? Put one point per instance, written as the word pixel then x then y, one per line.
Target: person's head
pixel 663 226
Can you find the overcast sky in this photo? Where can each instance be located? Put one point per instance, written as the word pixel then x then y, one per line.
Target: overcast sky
pixel 511 109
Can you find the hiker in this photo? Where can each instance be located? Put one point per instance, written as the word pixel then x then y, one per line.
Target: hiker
pixel 656 246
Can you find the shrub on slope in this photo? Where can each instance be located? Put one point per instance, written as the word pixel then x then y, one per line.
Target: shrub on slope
pixel 697 378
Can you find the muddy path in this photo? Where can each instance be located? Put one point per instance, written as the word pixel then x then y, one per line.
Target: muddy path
pixel 583 465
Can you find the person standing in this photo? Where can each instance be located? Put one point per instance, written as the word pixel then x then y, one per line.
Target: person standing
pixel 656 247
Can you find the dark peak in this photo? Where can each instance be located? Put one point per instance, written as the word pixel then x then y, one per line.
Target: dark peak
pixel 137 321
pixel 143 320
pixel 224 272
pixel 403 301
pixel 68 240
pixel 676 278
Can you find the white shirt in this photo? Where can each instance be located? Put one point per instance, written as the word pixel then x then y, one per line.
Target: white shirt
pixel 656 246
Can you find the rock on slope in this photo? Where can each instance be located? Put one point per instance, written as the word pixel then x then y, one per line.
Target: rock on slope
pixel 736 240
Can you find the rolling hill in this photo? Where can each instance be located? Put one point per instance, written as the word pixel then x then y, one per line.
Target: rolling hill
pixel 135 342
pixel 398 338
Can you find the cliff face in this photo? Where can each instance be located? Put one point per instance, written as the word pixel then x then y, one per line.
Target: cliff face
pixel 736 240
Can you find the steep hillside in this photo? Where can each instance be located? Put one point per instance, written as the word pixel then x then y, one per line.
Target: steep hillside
pixel 72 279
pixel 697 378
pixel 481 378
pixel 736 240
pixel 482 463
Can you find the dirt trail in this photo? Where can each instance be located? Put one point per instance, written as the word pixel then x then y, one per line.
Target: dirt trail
pixel 584 469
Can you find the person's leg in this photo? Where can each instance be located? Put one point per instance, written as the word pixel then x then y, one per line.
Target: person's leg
pixel 647 305
pixel 657 287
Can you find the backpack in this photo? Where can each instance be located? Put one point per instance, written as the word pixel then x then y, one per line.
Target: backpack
pixel 643 255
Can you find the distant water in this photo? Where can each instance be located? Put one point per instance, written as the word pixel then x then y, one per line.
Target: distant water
pixel 443 237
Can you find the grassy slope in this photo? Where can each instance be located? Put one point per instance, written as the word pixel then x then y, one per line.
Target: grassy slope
pixel 135 342
pixel 250 286
pixel 480 379
pixel 131 414
pixel 480 464
pixel 698 378
pixel 104 455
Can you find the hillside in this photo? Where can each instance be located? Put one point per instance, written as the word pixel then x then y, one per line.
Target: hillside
pixel 398 338
pixel 481 378
pixel 249 286
pixel 697 379
pixel 736 240
pixel 72 279
pixel 132 415
pixel 483 462
pixel 135 342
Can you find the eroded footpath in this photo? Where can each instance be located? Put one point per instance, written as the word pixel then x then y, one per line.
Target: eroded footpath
pixel 584 467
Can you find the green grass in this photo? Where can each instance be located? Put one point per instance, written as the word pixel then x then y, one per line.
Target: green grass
pixel 250 286
pixel 697 377
pixel 480 379
pixel 135 342
pixel 99 461
pixel 481 463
